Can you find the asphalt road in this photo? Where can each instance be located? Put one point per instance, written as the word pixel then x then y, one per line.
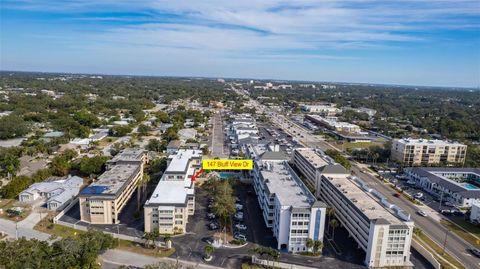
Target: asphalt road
pixel 455 245
pixel 218 138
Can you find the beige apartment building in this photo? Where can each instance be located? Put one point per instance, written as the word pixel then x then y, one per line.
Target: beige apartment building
pixel 104 199
pixel 423 152
pixel 173 200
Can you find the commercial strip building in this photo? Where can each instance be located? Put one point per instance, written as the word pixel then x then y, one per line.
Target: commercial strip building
pixel 323 109
pixel 381 229
pixel 333 124
pixel 58 193
pixel 460 186
pixel 422 152
pixel 103 200
pixel 173 200
pixel 288 207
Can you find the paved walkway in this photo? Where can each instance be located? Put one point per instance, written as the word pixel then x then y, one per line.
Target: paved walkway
pixel 17 230
pixel 122 257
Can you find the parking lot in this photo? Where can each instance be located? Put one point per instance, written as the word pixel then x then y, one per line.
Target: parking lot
pixel 129 225
pixel 446 208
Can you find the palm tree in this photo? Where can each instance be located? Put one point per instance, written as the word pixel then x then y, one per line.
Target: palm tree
pixel 334 225
pixel 330 213
pixel 309 243
pixel 141 189
pixel 417 231
pixel 209 249
pixel 167 238
pixel 317 246
pixel 148 236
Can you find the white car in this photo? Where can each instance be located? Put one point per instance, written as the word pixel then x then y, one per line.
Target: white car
pixel 238 206
pixel 240 237
pixel 241 226
pixel 422 213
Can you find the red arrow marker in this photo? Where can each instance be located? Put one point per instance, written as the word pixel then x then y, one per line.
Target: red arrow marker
pixel 197 174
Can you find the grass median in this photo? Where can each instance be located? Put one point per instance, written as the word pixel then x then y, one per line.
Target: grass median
pixel 438 252
pixel 463 233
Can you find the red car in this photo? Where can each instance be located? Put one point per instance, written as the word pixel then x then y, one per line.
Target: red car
pixel 396 194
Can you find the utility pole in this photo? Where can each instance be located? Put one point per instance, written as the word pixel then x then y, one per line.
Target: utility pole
pixel 445 241
pixel 441 200
pixel 16 230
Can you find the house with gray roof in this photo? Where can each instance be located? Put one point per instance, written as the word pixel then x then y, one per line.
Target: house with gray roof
pixel 57 192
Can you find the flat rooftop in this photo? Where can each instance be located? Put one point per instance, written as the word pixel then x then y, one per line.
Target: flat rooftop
pixel 285 184
pixel 112 181
pixel 169 192
pixel 179 161
pixel 436 142
pixel 129 155
pixel 364 198
pixel 313 157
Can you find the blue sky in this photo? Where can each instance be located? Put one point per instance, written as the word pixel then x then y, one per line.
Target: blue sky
pixel 425 42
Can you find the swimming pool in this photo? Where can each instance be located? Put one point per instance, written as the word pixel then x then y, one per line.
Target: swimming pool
pixel 226 175
pixel 470 186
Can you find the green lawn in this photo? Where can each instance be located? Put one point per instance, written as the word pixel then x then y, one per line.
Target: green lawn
pixel 439 251
pixel 138 248
pixel 351 145
pixel 46 226
pixel 462 233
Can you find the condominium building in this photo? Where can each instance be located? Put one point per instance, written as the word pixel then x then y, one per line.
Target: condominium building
pixel 459 186
pixel 103 200
pixel 308 161
pixel 173 200
pixel 288 207
pixel 422 152
pixel 381 229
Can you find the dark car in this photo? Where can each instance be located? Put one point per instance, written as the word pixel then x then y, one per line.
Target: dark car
pixel 396 194
pixel 475 252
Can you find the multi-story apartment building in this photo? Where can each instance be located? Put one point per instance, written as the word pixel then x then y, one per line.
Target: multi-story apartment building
pixel 173 200
pixel 103 200
pixel 422 152
pixel 460 186
pixel 288 207
pixel 381 229
pixel 308 161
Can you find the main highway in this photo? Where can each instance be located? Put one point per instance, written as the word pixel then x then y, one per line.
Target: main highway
pixel 455 245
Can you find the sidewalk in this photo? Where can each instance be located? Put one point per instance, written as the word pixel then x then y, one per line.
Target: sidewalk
pixel 121 257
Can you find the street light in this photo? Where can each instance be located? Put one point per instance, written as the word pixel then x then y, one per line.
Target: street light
pixel 445 241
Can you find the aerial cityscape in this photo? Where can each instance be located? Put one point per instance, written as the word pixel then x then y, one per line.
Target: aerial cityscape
pixel 251 134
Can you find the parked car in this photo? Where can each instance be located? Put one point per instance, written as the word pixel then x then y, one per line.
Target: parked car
pixel 396 194
pixel 475 252
pixel 240 236
pixel 239 206
pixel 213 226
pixel 422 213
pixel 419 195
pixel 238 216
pixel 446 212
pixel 448 204
pixel 211 216
pixel 241 226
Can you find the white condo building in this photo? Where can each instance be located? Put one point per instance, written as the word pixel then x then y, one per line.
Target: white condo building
pixel 288 207
pixel 173 200
pixel 381 229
